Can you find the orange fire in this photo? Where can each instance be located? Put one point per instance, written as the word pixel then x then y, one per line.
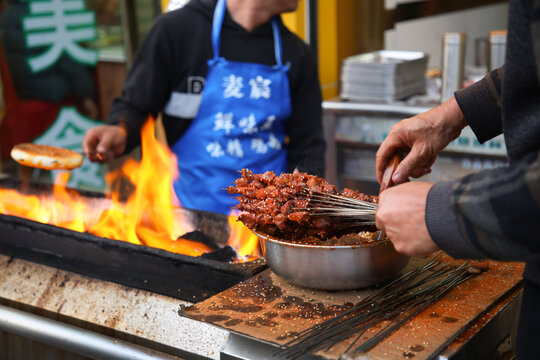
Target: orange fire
pixel 243 240
pixel 149 216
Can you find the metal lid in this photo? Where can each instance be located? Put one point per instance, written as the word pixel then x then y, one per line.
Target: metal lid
pixel 497 36
pixel 455 38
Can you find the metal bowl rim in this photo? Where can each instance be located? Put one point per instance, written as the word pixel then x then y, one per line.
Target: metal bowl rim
pixel 310 246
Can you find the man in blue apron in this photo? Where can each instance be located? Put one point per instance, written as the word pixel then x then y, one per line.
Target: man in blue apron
pixel 237 90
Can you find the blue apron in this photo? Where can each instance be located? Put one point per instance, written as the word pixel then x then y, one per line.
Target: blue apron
pixel 240 124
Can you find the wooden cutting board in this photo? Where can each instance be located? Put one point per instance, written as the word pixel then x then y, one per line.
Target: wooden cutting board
pixel 268 308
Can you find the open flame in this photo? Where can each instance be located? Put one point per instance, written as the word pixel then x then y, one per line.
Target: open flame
pixel 150 215
pixel 243 240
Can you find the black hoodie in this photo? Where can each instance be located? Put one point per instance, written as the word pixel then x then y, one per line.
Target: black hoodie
pixel 173 59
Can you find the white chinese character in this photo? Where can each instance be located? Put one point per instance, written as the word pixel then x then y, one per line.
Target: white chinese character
pixel 268 123
pixel 274 142
pixel 224 122
pixel 248 123
pixel 234 148
pixel 215 149
pixel 260 87
pixel 60 25
pixel 259 146
pixel 233 86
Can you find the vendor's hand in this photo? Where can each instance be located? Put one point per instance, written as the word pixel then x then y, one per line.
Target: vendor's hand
pixel 103 143
pixel 423 136
pixel 402 216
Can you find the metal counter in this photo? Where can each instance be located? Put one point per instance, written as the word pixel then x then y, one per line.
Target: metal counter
pixel 397 108
pixel 103 320
pixel 71 338
pixel 97 318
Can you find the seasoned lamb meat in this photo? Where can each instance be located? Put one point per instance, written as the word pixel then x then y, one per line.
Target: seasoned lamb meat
pixel 277 206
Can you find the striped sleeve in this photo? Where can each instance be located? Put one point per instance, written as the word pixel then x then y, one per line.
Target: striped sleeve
pixel 491 214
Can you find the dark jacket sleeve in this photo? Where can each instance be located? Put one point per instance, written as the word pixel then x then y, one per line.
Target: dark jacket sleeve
pixel 491 214
pixel 147 86
pixel 481 105
pixel 304 129
pixel 494 213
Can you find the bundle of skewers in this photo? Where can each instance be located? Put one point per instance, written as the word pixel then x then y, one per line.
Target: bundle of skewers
pixel 297 205
pixel 324 204
pixel 387 310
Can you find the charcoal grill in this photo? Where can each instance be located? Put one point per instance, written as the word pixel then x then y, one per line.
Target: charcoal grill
pixel 180 276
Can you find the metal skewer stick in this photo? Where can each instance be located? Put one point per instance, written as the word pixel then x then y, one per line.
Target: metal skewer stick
pixel 98 154
pixel 382 305
pixel 397 302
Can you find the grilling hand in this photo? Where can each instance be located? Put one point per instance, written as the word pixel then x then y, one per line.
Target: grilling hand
pixel 104 143
pixel 401 215
pixel 423 136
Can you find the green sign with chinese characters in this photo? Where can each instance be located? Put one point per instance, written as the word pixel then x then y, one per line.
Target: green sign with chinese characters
pixel 59 26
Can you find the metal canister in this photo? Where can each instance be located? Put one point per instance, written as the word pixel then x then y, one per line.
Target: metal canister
pixel 497 53
pixel 453 58
pixel 481 54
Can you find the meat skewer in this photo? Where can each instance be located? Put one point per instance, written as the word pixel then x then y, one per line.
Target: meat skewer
pixel 322 204
pixel 281 206
pixel 325 204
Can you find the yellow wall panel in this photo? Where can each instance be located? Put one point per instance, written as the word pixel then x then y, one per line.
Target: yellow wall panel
pixel 345 28
pixel 295 20
pixel 328 50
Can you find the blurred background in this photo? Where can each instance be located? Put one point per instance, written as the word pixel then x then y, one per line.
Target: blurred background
pixel 419 51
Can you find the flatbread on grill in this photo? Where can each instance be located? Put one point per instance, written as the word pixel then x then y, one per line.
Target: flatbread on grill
pixel 46 157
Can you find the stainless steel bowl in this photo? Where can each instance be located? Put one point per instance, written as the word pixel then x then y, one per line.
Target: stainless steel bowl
pixel 341 267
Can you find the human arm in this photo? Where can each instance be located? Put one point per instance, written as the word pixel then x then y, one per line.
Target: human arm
pixel 304 129
pixel 402 209
pixel 147 86
pixel 423 137
pixel 491 214
pixel 480 103
pixel 139 99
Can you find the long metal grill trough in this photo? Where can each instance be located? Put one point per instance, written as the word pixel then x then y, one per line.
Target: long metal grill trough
pixel 184 277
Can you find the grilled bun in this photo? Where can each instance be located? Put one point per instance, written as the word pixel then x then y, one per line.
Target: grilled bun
pixel 46 157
